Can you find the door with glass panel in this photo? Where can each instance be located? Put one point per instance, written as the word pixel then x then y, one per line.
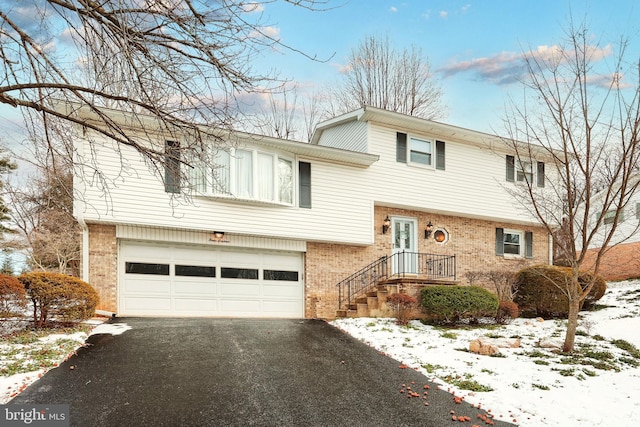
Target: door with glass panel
pixel 405 256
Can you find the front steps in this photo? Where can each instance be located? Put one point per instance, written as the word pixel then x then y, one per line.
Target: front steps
pixel 374 303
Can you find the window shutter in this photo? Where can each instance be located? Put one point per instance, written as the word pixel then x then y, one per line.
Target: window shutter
pixel 401 147
pixel 511 170
pixel 440 155
pixel 304 180
pixel 528 244
pixel 499 241
pixel 172 167
pixel 540 174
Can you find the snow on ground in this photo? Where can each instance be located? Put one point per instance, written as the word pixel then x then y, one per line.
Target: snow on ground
pixel 42 354
pixel 598 386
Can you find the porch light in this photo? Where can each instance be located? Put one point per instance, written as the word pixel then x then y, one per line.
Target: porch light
pixel 386 224
pixel 216 236
pixel 428 230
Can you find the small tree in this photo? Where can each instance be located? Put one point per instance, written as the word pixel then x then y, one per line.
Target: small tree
pixel 586 123
pixel 403 306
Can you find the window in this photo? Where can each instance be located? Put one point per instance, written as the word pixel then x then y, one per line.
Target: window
pixel 247 174
pixel 147 268
pixel 172 167
pixel 283 275
pixel 638 210
pixel 520 170
pixel 419 151
pixel 610 216
pixel 195 271
pixel 238 273
pixel 514 243
pixel 525 172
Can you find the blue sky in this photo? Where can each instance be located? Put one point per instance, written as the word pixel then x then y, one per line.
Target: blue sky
pixel 472 46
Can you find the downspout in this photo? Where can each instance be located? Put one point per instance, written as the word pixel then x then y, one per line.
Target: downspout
pixel 550 249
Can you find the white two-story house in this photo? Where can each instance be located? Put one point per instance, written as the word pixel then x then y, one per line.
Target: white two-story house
pixel 270 227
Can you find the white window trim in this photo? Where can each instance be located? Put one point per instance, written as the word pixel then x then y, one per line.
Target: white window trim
pixel 521 245
pixel 432 153
pixel 233 189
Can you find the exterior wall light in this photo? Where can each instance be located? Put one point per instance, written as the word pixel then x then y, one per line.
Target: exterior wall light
pixel 428 230
pixel 216 236
pixel 386 224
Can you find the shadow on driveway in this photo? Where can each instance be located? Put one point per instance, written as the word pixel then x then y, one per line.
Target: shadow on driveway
pixel 238 372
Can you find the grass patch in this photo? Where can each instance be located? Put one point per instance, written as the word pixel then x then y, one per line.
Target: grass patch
pixel 449 335
pixel 628 347
pixel 432 368
pixel 466 383
pixel 540 386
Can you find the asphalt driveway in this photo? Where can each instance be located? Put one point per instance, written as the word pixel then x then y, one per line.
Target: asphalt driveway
pixel 236 372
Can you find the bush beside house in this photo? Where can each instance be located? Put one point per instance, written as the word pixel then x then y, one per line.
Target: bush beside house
pixel 454 303
pixel 540 290
pixel 13 297
pixel 65 298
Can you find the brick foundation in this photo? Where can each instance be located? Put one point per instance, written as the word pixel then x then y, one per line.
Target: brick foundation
pixel 103 265
pixel 471 240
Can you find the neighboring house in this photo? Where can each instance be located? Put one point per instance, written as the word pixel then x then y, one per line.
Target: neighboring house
pixel 273 229
pixel 621 261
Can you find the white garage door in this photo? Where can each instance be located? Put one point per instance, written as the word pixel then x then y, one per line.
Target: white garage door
pixel 161 280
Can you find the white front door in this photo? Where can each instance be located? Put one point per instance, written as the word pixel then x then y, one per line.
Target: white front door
pixel 404 259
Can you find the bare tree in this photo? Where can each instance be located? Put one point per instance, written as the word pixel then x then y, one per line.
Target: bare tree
pixel 184 63
pixel 381 76
pixel 588 123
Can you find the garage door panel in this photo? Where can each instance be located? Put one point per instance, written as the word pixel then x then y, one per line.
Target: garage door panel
pixel 144 286
pixel 138 305
pixel 282 307
pixel 194 305
pixel 239 289
pixel 183 287
pixel 208 281
pixel 279 291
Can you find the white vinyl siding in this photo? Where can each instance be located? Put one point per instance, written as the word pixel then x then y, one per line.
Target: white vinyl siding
pixel 349 136
pixel 469 186
pixel 140 199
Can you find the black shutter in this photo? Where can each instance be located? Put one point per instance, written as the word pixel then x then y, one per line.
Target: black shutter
pixel 511 170
pixel 440 155
pixel 304 180
pixel 401 147
pixel 540 174
pixel 172 167
pixel 528 244
pixel 499 241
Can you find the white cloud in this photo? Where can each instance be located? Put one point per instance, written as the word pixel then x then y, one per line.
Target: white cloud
pixel 393 9
pixel 465 8
pixel 253 7
pixel 509 67
pixel 443 14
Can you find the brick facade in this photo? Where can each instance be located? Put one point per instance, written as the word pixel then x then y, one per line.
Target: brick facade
pixel 103 265
pixel 621 262
pixel 471 240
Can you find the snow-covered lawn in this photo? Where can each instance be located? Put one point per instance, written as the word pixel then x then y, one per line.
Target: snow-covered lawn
pixel 598 385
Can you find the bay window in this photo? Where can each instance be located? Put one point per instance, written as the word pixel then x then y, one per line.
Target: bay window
pixel 247 174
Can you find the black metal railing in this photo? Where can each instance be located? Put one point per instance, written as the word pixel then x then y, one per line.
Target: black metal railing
pixel 400 264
